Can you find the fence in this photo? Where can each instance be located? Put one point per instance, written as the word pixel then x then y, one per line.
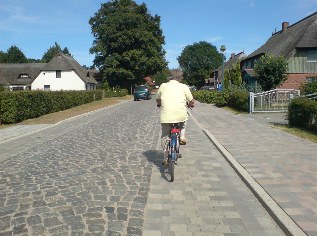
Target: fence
pixel 276 100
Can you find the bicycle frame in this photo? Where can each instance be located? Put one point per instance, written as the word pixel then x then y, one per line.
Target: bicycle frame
pixel 174 142
pixel 173 148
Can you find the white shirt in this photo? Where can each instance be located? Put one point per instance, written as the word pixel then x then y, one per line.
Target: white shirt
pixel 174 96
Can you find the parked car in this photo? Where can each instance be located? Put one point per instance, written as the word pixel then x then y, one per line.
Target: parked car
pixel 142 92
pixel 207 87
pixel 192 88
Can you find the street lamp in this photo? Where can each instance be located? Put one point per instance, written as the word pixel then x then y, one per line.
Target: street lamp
pixel 223 49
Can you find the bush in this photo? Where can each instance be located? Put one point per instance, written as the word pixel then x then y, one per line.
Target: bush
pixel 239 100
pixel 21 105
pixel 302 113
pixel 116 93
pixel 309 88
pixel 204 96
pixel 222 98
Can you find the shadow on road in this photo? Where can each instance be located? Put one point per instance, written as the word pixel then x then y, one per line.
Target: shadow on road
pixel 156 157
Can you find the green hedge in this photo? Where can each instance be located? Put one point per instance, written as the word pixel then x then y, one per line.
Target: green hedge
pixel 302 113
pixel 22 105
pixel 116 93
pixel 239 100
pixel 205 96
pixel 221 99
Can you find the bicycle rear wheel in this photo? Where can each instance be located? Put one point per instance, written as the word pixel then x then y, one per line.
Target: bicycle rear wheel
pixel 171 168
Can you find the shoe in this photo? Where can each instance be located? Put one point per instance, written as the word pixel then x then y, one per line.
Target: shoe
pixel 164 163
pixel 182 142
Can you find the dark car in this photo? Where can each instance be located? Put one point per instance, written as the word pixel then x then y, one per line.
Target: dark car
pixel 192 88
pixel 142 92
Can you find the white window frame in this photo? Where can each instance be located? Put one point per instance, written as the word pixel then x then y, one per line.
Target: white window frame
pixel 47 87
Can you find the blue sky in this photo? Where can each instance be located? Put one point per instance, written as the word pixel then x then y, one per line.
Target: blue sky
pixel 241 25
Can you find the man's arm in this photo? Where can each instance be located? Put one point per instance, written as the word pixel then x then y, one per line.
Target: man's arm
pixel 189 97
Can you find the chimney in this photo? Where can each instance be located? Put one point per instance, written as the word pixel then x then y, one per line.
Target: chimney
pixel 232 55
pixel 285 25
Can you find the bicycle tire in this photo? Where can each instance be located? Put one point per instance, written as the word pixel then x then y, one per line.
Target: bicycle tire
pixel 171 168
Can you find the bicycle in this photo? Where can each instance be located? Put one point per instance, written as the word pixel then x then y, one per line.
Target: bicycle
pixel 172 149
pixel 172 146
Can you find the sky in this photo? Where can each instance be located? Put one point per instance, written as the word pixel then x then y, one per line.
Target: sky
pixel 241 25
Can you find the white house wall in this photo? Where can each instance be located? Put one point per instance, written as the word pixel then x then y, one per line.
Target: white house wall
pixel 69 81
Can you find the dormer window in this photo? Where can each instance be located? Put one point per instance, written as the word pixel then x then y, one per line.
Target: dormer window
pixel 23 76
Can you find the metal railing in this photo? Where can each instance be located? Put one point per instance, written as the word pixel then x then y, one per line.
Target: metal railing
pixel 276 100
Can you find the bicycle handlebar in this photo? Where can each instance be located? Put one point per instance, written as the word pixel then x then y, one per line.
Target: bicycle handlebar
pixel 187 104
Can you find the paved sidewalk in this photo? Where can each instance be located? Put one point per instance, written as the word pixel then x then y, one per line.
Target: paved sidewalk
pixel 284 165
pixel 206 198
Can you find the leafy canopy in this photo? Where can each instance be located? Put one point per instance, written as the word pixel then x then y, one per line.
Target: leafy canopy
pixel 233 76
pixel 128 42
pixel 2 56
pixel 270 71
pixel 53 51
pixel 14 55
pixel 197 61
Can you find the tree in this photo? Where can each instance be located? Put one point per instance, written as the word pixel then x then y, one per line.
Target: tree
pixel 161 77
pixel 32 60
pixel 128 42
pixel 14 55
pixel 270 71
pixel 233 75
pixel 2 56
pixel 197 61
pixel 66 52
pixel 53 51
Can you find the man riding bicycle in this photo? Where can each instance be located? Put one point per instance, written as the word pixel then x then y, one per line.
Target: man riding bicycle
pixel 173 97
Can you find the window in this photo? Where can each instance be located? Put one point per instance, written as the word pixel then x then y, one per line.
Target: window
pixel 24 76
pixel 47 87
pixel 16 88
pixel 312 55
pixel 58 74
pixel 252 64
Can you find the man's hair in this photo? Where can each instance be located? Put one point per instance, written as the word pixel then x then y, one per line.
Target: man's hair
pixel 175 74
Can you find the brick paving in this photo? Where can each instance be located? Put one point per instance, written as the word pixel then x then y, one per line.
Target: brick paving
pixel 206 198
pixel 100 174
pixel 283 164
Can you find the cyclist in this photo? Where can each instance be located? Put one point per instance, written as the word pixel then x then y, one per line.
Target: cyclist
pixel 173 97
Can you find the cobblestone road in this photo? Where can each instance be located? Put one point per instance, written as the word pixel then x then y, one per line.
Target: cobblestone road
pixel 92 179
pixel 100 174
